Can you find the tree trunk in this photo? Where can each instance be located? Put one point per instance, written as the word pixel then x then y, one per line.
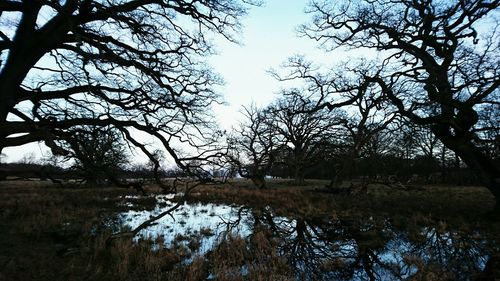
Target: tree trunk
pixel 345 171
pixel 336 180
pixel 259 181
pixel 299 174
pixel 5 105
pixel 476 160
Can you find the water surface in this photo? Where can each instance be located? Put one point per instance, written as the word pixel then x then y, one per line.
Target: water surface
pixel 325 248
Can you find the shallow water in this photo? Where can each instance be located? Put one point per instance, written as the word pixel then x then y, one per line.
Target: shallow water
pixel 207 221
pixel 325 248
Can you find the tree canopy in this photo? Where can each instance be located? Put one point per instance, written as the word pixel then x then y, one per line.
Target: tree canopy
pixel 134 65
pixel 438 65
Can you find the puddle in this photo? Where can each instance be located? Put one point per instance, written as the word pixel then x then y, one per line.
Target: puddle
pixel 320 248
pixel 209 222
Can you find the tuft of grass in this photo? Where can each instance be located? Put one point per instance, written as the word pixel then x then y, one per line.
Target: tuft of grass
pixel 236 258
pixel 206 232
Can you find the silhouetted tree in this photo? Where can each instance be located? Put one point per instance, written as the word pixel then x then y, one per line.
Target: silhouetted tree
pixel 440 64
pixel 368 115
pixel 98 154
pixel 426 141
pixel 281 165
pixel 253 145
pixel 136 65
pixel 489 134
pixel 305 133
pixel 376 153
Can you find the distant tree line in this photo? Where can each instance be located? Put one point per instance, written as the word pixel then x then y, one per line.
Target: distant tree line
pixel 58 174
pixel 367 141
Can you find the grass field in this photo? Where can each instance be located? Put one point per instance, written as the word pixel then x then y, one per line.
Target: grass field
pixel 52 233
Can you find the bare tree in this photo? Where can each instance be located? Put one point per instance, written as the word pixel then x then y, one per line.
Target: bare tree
pixel 426 141
pixel 360 109
pixel 368 115
pixel 98 154
pixel 440 64
pixel 304 132
pixel 489 132
pixel 253 145
pixel 136 65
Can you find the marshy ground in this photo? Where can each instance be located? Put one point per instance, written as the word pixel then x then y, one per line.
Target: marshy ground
pixel 237 232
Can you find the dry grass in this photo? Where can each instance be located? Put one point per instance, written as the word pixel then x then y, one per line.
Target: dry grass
pixel 49 233
pixel 312 199
pixel 236 258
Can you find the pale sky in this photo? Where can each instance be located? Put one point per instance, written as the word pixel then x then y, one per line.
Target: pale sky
pixel 268 38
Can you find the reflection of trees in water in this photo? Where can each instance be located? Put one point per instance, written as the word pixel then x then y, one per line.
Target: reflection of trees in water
pixel 367 248
pixel 338 249
pixel 461 254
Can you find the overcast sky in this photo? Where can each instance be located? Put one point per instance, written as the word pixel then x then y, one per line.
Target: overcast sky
pixel 268 38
